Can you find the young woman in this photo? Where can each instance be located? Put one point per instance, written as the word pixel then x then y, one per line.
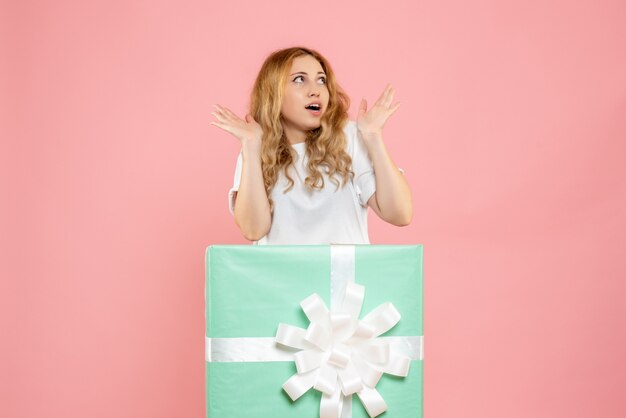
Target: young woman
pixel 306 174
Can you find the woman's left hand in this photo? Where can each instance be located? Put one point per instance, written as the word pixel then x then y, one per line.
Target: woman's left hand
pixel 371 123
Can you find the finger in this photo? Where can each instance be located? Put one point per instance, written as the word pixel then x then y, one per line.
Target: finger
pixel 220 111
pixel 231 114
pixel 363 106
pixel 219 125
pixel 389 96
pixel 223 126
pixel 223 111
pixel 393 109
pixel 218 107
pixel 381 98
pixel 219 117
pixel 385 100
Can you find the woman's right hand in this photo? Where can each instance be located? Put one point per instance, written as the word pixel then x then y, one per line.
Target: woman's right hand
pixel 247 131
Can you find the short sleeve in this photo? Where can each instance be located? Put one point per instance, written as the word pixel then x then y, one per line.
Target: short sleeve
pixel 364 178
pixel 236 180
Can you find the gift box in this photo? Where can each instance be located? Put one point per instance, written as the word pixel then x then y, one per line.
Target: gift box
pixel 314 331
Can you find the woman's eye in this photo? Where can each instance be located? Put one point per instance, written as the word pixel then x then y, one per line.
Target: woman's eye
pixel 300 79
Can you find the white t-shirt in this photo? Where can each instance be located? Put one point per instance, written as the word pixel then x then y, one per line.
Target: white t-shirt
pixel 326 216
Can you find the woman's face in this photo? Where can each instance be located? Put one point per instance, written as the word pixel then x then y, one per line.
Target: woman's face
pixel 306 85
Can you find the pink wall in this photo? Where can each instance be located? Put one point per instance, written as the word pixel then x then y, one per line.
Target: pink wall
pixel 512 134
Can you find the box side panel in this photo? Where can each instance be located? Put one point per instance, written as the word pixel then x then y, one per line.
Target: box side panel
pixel 254 288
pixel 253 390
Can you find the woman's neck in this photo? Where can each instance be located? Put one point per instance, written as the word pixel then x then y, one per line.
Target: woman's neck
pixel 294 135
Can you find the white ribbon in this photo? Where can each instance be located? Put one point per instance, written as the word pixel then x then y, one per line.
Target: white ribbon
pixel 338 354
pixel 265 349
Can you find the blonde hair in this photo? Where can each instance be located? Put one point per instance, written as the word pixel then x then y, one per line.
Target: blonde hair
pixel 325 145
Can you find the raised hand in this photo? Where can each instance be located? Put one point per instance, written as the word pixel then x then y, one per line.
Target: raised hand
pixel 372 122
pixel 247 130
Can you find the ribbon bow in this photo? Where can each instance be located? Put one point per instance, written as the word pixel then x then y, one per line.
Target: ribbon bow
pixel 341 355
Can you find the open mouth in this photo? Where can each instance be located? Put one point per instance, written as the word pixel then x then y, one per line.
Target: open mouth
pixel 314 108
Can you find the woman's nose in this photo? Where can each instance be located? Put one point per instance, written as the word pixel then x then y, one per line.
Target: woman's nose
pixel 314 90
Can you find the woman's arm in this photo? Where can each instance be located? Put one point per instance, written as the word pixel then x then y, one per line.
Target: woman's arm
pixel 392 199
pixel 252 207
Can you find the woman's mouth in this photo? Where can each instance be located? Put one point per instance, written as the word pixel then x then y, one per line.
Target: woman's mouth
pixel 314 108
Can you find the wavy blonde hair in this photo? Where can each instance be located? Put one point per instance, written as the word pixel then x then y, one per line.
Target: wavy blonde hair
pixel 325 145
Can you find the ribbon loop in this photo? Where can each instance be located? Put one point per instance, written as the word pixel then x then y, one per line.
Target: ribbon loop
pixel 298 384
pixel 372 401
pixel 342 326
pixel 340 356
pixel 307 360
pixel 317 335
pixel 369 374
pixel 315 309
pixel 350 380
pixel 363 331
pixel 353 301
pixel 398 366
pixel 382 318
pixel 326 380
pixel 375 351
pixel 331 405
pixel 291 336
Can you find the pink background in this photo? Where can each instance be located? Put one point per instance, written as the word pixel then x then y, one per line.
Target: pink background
pixel 512 132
